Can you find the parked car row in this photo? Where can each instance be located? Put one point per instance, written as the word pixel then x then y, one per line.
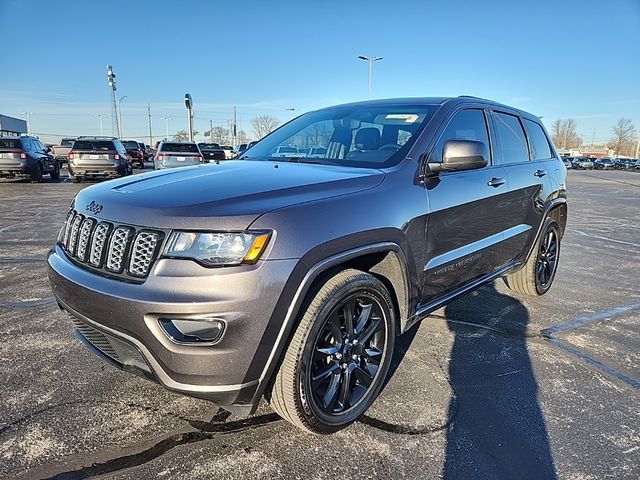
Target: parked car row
pixel 605 163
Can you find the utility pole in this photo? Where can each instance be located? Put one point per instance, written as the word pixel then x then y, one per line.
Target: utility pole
pixel 211 130
pixel 234 130
pixel 120 115
pixel 637 147
pixel 101 129
pixel 28 114
pixel 370 60
pixel 593 138
pixel 111 81
pixel 150 133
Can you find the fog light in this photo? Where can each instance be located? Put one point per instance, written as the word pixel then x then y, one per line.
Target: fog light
pixel 193 331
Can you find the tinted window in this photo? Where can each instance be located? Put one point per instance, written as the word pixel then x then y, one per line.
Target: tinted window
pixel 465 125
pixel 66 142
pixel 93 145
pixel 10 143
pixel 537 140
pixel 179 147
pixel 130 144
pixel 511 139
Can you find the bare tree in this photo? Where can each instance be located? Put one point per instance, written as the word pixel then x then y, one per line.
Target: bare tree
pixel 219 135
pixel 242 137
pixel 624 134
pixel 564 133
pixel 264 124
pixel 183 135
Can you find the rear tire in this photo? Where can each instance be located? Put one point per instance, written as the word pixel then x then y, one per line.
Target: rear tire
pixel 55 175
pixel 36 176
pixel 338 358
pixel 536 276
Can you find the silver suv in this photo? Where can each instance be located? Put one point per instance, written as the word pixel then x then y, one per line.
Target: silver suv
pixel 291 277
pixel 177 154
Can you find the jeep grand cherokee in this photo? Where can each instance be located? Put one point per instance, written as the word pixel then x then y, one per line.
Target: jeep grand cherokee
pixel 290 277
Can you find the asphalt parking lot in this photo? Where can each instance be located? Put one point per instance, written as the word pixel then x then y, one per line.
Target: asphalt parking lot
pixel 491 386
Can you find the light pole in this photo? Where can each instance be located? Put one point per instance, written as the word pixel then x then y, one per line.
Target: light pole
pixel 28 114
pixel 188 102
pixel 120 114
pixel 111 81
pixel 370 60
pixel 100 115
pixel 166 124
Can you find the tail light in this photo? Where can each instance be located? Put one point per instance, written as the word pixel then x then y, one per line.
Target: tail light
pixel 23 155
pixel 70 154
pixel 200 158
pixel 116 157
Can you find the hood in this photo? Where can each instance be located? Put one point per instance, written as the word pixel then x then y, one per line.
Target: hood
pixel 227 196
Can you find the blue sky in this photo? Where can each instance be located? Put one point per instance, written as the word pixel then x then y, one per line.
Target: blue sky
pixel 554 58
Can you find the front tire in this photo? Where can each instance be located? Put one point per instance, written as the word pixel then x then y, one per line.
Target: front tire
pixel 339 356
pixel 536 276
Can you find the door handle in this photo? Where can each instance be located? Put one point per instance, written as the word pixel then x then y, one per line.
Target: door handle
pixel 540 173
pixel 496 182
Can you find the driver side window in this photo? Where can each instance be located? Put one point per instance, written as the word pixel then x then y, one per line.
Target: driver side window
pixel 465 125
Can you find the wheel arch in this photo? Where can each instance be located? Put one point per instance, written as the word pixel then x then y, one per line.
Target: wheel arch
pixel 385 260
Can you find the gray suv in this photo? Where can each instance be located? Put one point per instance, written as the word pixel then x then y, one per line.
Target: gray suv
pixel 290 277
pixel 93 157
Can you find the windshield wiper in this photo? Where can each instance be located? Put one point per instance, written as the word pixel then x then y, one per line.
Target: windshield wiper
pixel 303 160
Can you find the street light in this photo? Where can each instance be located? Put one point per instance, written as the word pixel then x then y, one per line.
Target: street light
pixel 28 114
pixel 370 60
pixel 120 113
pixel 101 115
pixel 166 124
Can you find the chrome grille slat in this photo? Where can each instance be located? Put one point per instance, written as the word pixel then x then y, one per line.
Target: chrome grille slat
pixel 144 247
pixel 117 248
pixel 73 236
pixel 97 244
pixel 83 239
pixel 120 251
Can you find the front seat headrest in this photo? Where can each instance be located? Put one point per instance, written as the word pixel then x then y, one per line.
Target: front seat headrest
pixel 368 139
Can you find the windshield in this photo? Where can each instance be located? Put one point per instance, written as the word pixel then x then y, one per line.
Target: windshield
pixel 10 143
pixel 368 136
pixel 66 142
pixel 179 147
pixel 93 145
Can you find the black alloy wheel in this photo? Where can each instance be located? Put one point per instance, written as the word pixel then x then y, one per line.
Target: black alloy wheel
pixel 547 261
pixel 347 354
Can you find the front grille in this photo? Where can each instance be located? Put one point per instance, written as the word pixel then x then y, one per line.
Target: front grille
pixel 122 251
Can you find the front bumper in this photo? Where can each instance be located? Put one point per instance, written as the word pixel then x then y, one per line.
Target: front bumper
pixel 244 297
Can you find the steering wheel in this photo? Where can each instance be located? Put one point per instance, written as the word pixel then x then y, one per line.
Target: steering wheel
pixel 390 146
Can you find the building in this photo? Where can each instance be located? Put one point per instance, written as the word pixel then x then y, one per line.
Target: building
pixel 12 126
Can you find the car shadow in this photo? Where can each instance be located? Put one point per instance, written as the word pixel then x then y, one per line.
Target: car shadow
pixel 499 429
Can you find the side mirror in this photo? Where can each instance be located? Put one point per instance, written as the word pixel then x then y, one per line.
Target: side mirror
pixel 47 149
pixel 459 155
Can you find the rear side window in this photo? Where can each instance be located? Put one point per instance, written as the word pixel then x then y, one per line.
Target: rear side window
pixel 10 143
pixel 537 140
pixel 512 142
pixel 465 125
pixel 93 145
pixel 179 147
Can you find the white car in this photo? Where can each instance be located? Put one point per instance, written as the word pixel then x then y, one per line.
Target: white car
pixel 228 151
pixel 285 151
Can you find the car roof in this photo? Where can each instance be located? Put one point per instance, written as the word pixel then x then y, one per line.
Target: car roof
pixel 434 101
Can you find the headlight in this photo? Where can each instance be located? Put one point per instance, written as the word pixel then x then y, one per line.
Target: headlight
pixel 217 248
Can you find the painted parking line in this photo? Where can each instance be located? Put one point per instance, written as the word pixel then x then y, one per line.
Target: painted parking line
pixel 551 335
